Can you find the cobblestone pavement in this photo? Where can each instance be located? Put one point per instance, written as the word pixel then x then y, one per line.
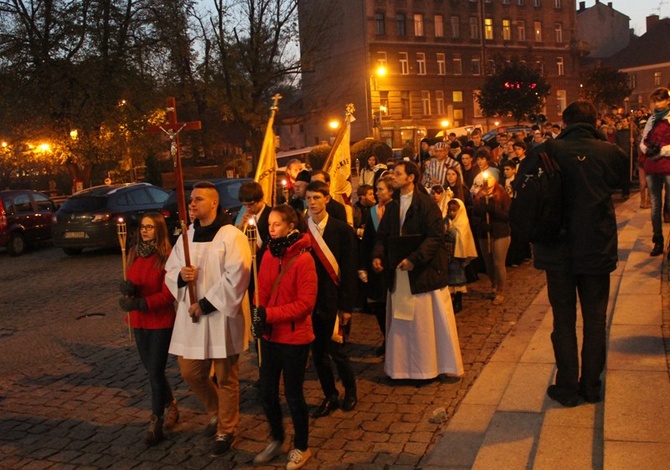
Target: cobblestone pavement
pixel 74 395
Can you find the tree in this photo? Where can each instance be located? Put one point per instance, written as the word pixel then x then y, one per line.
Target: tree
pixel 516 88
pixel 605 87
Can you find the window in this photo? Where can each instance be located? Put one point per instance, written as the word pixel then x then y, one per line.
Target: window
pixel 421 63
pixel 478 110
pixel 540 66
pixel 380 24
pixel 405 103
pixel 418 24
pixel 506 30
pixel 458 114
pixel 400 25
pixel 488 28
pixel 521 30
pixel 458 65
pixel 425 102
pixel 404 63
pixel 441 64
pixel 476 66
pixel 43 202
pixel 537 3
pixel 505 2
pixel 22 203
pixel 455 27
pixel 560 68
pixel 557 4
pixel 559 32
pixel 439 102
pixel 632 80
pixel 657 78
pixel 561 101
pixel 439 26
pixel 384 103
pixel 520 2
pixel 382 59
pixel 537 31
pixel 457 96
pixel 491 67
pixel 474 28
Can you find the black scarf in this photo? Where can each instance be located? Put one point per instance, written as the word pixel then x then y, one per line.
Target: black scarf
pixel 278 246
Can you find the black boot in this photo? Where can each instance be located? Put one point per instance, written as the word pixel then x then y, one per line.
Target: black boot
pixel 155 434
pixel 657 250
pixel 457 302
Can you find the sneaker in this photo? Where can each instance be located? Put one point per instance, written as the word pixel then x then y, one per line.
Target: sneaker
pixel 498 299
pixel 298 458
pixel 210 429
pixel 272 450
pixel 222 444
pixel 171 415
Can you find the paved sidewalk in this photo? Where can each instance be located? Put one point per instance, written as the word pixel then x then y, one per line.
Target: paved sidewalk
pixel 506 421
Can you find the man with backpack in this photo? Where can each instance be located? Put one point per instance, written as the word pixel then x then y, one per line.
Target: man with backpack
pixel 580 255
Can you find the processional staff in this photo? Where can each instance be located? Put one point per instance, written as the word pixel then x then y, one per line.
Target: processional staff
pixel 172 129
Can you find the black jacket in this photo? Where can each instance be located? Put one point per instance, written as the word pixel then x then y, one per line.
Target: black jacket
pixel 591 170
pixel 431 258
pixel 339 237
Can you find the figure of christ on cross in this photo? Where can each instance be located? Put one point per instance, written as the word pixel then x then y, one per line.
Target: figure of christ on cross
pixel 172 129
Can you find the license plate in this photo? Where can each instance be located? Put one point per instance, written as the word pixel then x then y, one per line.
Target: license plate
pixel 74 235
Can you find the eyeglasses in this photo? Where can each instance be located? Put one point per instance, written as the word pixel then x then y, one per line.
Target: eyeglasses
pixel 248 203
pixel 147 227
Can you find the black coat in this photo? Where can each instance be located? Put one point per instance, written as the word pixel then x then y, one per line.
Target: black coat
pixel 339 237
pixel 336 209
pixel 592 169
pixel 431 258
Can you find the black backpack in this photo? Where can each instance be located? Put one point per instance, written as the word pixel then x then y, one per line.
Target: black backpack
pixel 537 212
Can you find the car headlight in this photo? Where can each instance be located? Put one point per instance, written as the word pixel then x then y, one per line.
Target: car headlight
pixel 101 217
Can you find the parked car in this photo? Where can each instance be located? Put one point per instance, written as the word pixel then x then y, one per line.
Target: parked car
pixel 227 189
pixel 25 219
pixel 89 218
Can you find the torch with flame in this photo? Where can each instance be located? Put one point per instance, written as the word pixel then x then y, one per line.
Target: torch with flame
pixel 284 190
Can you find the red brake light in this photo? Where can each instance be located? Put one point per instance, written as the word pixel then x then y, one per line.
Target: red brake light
pixel 3 218
pixel 165 213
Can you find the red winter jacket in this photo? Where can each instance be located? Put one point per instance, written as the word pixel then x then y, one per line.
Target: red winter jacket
pixel 289 309
pixel 150 286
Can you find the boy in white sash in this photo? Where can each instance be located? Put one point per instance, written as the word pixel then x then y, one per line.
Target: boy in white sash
pixel 334 251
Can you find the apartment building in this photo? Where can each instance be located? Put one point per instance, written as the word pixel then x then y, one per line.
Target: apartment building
pixel 435 55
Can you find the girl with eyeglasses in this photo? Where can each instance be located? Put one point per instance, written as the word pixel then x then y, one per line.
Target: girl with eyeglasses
pixel 151 314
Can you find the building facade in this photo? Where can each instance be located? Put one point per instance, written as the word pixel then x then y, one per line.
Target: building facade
pixel 604 30
pixel 435 55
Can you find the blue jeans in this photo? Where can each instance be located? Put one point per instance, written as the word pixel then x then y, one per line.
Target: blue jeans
pixel 153 348
pixel 655 183
pixel 292 360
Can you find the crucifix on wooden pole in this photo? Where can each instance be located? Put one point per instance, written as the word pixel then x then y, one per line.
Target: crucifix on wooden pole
pixel 172 129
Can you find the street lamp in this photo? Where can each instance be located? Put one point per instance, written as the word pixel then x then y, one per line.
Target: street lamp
pixel 445 126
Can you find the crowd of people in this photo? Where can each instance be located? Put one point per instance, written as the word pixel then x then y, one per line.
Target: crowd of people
pixel 422 231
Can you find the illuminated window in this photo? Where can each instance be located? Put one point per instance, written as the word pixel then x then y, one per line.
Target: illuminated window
pixel 537 30
pixel 506 30
pixel 560 67
pixel 439 26
pixel 488 28
pixel 657 78
pixel 457 96
pixel 418 24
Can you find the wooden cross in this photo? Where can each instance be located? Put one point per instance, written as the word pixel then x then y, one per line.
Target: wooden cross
pixel 172 129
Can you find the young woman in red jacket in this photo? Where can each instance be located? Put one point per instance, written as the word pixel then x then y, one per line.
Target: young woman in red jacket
pixel 152 314
pixel 287 286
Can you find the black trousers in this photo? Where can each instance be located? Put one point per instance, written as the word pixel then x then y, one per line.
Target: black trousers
pixel 323 350
pixel 563 288
pixel 153 347
pixel 292 360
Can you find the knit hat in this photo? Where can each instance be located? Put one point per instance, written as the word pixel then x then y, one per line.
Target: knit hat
pixel 304 176
pixel 440 145
pixel 455 144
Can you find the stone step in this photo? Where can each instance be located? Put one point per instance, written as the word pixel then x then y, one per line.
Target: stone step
pixel 506 420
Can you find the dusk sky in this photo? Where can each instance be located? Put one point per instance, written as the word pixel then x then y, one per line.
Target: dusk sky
pixel 637 11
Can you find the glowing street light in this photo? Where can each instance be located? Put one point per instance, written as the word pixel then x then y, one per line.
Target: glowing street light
pixel 334 124
pixel 44 147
